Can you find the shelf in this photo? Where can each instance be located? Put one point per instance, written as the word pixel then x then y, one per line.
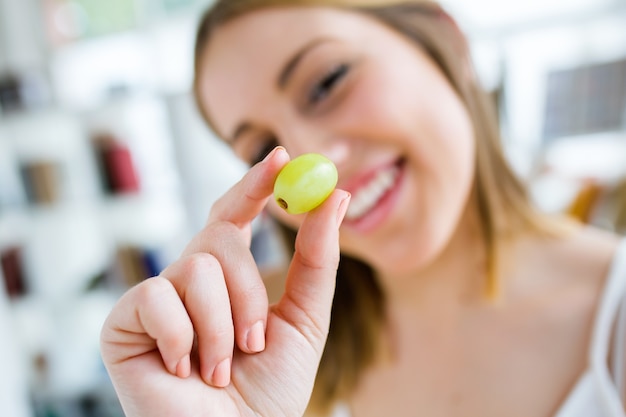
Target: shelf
pixel 72 250
pixel 66 332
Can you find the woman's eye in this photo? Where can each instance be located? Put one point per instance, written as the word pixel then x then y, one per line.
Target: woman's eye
pixel 326 84
pixel 266 147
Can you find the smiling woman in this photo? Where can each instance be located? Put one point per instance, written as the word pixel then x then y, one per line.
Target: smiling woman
pixel 443 270
pixel 335 65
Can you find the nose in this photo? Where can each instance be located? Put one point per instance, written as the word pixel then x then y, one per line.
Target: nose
pixel 305 139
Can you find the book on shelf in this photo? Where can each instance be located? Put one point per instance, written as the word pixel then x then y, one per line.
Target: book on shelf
pixel 135 264
pixel 10 94
pixel 41 181
pixel 13 271
pixel 116 166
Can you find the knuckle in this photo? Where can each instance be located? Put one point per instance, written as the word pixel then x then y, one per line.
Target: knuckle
pixel 222 334
pixel 253 290
pixel 198 264
pixel 320 259
pixel 180 337
pixel 222 228
pixel 153 290
pixel 217 207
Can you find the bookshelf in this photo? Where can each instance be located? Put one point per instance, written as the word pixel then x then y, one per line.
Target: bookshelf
pixel 97 191
pixel 106 168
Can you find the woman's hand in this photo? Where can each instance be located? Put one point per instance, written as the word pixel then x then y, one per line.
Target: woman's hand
pixel 200 339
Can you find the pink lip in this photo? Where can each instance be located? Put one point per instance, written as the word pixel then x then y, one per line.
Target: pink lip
pixel 353 184
pixel 377 214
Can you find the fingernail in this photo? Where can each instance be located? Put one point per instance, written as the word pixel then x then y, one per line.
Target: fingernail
pixel 272 153
pixel 343 207
pixel 183 369
pixel 256 337
pixel 221 373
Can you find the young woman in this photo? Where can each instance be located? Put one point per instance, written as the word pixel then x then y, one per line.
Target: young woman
pixel 427 284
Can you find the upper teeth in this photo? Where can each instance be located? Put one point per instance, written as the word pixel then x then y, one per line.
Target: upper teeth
pixel 366 197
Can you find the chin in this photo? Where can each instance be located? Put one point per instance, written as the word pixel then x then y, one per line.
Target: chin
pixel 402 257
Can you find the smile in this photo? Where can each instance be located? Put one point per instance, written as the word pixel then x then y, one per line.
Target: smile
pixel 366 197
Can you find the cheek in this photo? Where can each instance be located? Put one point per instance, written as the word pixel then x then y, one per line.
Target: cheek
pixel 458 141
pixel 422 117
pixel 376 107
pixel 438 137
pixel 449 163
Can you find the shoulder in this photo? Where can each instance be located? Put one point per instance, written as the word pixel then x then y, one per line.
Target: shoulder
pixel 571 267
pixel 589 251
pixel 584 256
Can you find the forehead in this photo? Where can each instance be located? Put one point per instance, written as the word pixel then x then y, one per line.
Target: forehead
pixel 241 64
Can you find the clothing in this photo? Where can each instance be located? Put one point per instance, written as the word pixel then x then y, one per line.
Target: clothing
pixel 597 392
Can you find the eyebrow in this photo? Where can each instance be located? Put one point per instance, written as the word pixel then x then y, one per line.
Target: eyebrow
pixel 283 79
pixel 292 64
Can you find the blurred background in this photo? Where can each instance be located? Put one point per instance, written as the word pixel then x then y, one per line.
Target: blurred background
pixel 106 169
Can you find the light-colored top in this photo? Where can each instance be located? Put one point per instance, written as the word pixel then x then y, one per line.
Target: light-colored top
pixel 598 391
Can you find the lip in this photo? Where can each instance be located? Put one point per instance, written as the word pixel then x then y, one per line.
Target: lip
pixel 383 207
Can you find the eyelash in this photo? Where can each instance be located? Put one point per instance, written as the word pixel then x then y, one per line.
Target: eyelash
pixel 268 144
pixel 322 88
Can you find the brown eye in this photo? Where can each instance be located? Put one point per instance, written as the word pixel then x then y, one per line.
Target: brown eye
pixel 324 87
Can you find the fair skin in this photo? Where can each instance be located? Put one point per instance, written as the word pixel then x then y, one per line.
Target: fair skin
pixel 354 96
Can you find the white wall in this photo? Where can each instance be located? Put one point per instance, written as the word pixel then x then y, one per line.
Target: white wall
pixel 14 401
pixel 21 19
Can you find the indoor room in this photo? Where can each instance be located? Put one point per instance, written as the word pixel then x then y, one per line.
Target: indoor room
pixel 108 168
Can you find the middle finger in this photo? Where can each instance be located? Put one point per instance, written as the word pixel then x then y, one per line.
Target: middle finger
pixel 246 290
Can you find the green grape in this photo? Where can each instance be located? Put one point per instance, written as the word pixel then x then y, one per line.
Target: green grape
pixel 304 183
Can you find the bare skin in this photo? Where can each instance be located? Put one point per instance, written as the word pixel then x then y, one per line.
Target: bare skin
pixel 518 357
pixel 215 291
pixel 452 352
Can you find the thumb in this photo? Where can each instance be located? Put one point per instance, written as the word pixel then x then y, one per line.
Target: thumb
pixel 310 286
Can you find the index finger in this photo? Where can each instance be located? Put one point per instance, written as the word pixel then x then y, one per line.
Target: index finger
pixel 247 198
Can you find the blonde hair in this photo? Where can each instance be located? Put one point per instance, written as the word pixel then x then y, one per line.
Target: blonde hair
pixel 503 204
